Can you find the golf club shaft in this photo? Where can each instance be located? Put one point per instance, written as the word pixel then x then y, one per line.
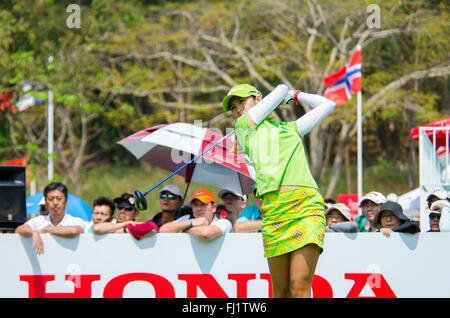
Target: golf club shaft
pixel 192 160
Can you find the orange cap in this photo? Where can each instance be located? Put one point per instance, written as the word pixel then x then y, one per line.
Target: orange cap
pixel 204 196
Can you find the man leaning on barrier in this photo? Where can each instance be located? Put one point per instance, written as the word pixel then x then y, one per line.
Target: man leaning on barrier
pixel 56 222
pixel 205 225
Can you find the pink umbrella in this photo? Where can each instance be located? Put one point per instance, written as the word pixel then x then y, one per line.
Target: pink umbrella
pixel 173 145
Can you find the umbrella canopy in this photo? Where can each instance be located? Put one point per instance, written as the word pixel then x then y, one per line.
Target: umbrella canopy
pixel 170 146
pixel 75 206
pixel 440 134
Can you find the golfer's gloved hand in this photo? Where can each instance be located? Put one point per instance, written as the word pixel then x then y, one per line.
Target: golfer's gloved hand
pixel 292 96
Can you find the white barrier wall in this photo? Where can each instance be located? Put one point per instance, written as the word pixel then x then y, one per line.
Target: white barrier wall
pixel 178 265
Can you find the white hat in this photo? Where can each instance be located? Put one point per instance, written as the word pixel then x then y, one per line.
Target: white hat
pixel 438 193
pixel 172 189
pixel 345 210
pixel 375 197
pixel 42 202
pixel 222 193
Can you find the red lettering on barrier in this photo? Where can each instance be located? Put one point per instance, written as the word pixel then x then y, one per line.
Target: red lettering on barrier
pixel 241 282
pixel 37 283
pixel 376 282
pixel 163 288
pixel 269 281
pixel 321 288
pixel 205 282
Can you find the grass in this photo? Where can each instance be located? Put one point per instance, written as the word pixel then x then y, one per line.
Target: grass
pixel 384 178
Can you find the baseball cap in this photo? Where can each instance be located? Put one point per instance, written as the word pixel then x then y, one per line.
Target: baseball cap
pixel 375 197
pixel 242 90
pixel 204 196
pixel 438 193
pixel 345 210
pixel 125 197
pixel 224 192
pixel 172 189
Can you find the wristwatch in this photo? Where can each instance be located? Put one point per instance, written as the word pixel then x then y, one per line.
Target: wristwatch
pixel 125 229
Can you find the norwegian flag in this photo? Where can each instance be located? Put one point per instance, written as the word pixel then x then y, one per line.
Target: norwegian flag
pixel 344 83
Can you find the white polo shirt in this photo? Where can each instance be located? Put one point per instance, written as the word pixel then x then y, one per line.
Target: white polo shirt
pixel 41 221
pixel 223 224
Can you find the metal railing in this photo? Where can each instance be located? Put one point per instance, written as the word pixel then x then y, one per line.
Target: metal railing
pixel 434 166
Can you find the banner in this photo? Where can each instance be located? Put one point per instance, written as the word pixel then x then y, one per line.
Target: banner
pixel 350 200
pixel 231 266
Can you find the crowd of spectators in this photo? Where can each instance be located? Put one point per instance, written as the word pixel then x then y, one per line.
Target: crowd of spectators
pixel 205 218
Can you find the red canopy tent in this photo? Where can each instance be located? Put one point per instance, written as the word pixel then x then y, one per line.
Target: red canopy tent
pixel 440 134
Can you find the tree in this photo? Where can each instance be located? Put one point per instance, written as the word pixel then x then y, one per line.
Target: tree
pixel 136 64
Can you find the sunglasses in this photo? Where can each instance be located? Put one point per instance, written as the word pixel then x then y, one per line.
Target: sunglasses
pixel 169 196
pixel 125 207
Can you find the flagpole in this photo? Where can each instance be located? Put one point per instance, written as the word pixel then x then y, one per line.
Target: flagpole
pixel 359 123
pixel 50 135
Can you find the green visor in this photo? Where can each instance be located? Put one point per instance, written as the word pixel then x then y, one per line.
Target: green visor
pixel 242 90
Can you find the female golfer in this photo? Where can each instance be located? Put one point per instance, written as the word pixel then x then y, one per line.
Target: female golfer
pixel 293 209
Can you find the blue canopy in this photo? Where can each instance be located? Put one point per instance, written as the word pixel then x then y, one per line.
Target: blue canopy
pixel 75 206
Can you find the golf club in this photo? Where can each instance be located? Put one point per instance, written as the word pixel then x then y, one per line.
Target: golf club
pixel 139 197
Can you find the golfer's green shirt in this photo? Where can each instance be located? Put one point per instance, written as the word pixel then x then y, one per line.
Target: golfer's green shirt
pixel 277 153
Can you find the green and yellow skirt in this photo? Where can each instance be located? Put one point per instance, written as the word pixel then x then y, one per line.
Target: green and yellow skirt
pixel 291 220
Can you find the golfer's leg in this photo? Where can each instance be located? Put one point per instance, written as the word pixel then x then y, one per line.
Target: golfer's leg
pixel 279 273
pixel 303 266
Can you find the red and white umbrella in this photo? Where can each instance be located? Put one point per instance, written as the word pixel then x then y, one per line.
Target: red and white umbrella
pixel 170 146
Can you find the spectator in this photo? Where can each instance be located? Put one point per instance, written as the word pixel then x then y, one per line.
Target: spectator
pixel 443 208
pixel 339 219
pixel 126 220
pixel 234 203
pixel 205 225
pixel 370 205
pixel 170 198
pixel 250 219
pixel 390 219
pixel 103 212
pixel 435 212
pixel 56 222
pixel 437 194
pixel 329 202
pixel 42 208
pixel 126 214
